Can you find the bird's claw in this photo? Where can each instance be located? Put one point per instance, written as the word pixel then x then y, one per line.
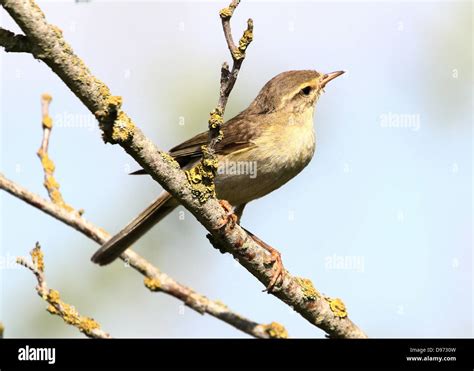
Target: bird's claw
pixel 230 218
pixel 279 274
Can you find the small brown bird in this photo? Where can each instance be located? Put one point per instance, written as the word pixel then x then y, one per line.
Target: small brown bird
pixel 263 147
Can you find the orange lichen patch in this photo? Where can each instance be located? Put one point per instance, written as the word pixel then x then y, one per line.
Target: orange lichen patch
pixel 276 331
pixel 337 307
pixel 152 283
pixel 38 257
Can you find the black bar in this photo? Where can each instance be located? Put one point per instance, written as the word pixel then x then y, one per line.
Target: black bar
pixel 221 354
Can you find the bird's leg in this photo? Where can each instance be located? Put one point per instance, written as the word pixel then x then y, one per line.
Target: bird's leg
pixel 230 218
pixel 275 258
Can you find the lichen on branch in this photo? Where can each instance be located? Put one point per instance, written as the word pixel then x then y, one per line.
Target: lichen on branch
pixel 56 306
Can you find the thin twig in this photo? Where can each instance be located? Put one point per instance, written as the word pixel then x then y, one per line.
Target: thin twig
pixel 67 312
pixel 228 78
pixel 155 280
pixel 202 175
pixel 2 330
pixel 117 127
pixel 50 182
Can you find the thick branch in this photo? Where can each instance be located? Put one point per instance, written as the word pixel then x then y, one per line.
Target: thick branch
pixel 155 280
pixel 119 128
pixel 14 43
pixel 56 306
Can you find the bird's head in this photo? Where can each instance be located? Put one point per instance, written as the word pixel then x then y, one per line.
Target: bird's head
pixel 291 91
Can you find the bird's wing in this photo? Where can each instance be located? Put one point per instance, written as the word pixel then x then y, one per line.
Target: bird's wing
pixel 238 135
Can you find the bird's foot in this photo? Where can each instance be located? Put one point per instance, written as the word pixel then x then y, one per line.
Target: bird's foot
pixel 274 259
pixel 279 274
pixel 230 218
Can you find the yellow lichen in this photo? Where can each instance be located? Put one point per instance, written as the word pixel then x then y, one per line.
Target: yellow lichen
pixel 216 120
pixel 337 307
pixel 46 162
pixel 170 159
pixel 70 315
pixel 202 186
pixel 152 283
pixel 244 41
pixel 115 101
pixel 51 184
pixel 88 324
pixel 226 13
pixel 51 309
pixel 103 89
pixel 53 297
pixel 46 97
pixel 276 331
pixel 47 122
pixel 114 123
pixel 37 257
pixel 221 304
pixel 201 177
pixel 122 128
pixel 57 31
pixel 309 292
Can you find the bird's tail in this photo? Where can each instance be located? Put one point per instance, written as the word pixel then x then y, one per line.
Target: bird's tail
pixel 114 247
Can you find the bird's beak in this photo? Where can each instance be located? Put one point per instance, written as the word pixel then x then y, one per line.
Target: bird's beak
pixel 330 76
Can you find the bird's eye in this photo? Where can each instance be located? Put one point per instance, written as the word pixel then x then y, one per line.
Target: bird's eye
pixel 306 90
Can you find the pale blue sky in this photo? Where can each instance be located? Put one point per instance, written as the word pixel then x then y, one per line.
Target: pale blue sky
pixel 394 203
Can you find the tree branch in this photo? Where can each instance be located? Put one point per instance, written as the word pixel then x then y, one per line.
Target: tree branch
pixel 50 182
pixel 50 46
pixel 155 280
pixel 201 176
pixel 67 312
pixel 14 43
